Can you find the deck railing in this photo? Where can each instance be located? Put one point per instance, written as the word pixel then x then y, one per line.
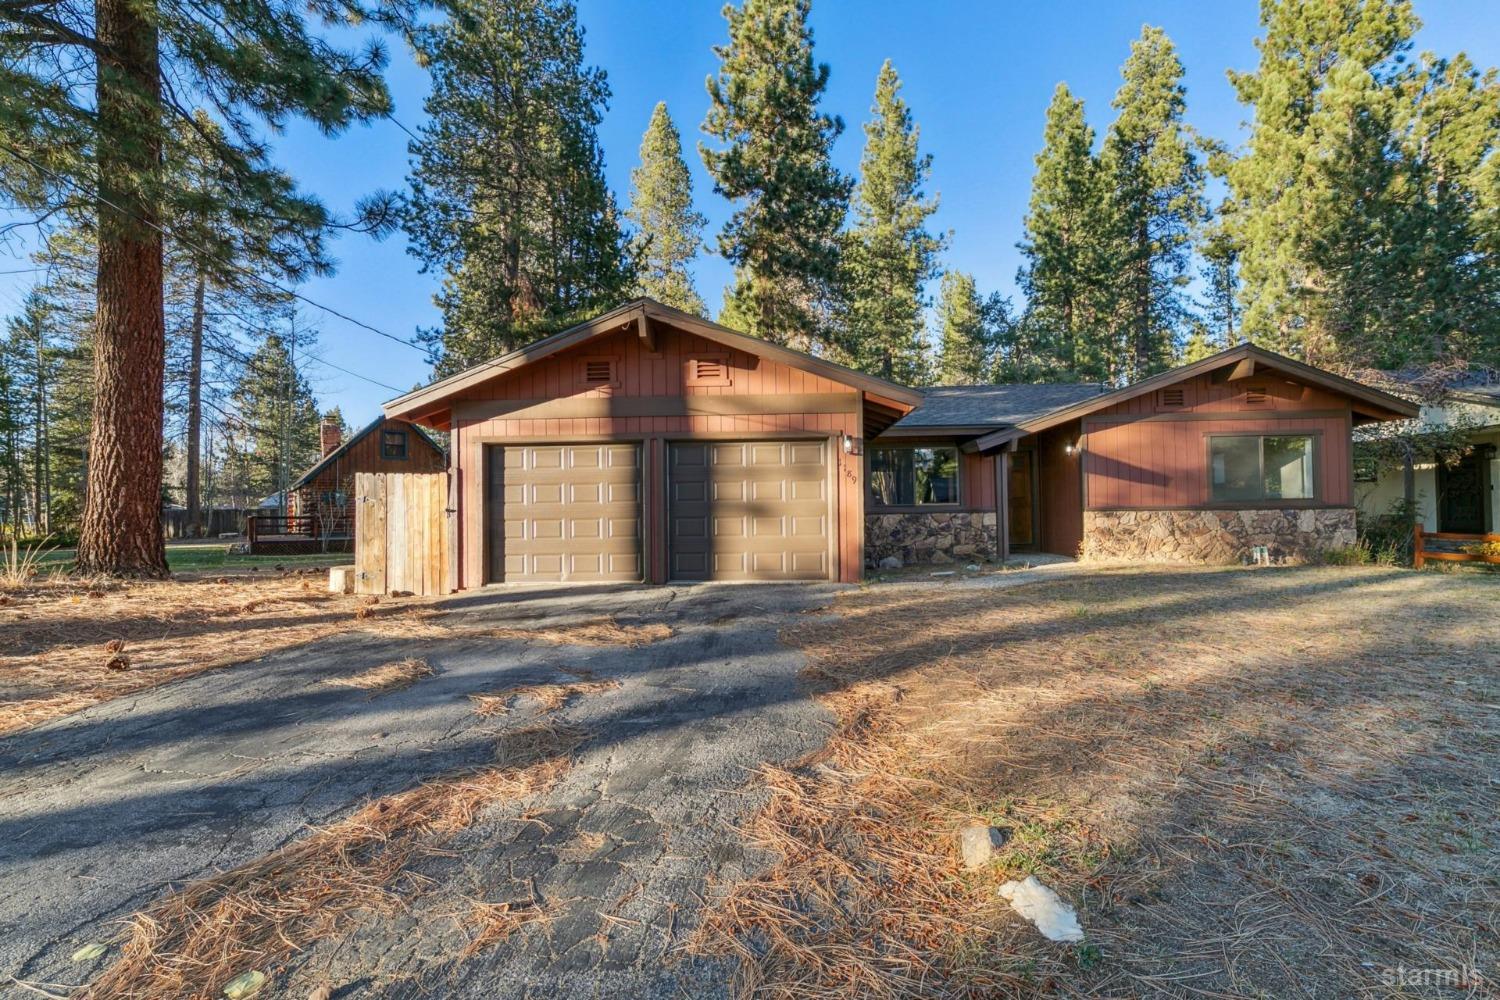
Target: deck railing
pixel 1423 549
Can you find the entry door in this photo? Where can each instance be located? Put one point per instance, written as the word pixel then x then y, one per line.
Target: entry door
pixel 748 510
pixel 565 513
pixel 1464 494
pixel 1022 498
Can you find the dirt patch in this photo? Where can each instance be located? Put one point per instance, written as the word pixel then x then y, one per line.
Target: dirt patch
pixel 385 678
pixel 66 644
pixel 257 916
pixel 1248 782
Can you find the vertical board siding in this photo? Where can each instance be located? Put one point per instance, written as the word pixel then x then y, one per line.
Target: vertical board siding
pixel 640 373
pixel 364 456
pixel 1130 462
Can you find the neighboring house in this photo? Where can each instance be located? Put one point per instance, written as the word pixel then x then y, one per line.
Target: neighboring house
pixel 1461 496
pixel 326 491
pixel 652 445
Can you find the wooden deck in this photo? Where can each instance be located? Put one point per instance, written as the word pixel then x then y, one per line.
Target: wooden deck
pixel 287 535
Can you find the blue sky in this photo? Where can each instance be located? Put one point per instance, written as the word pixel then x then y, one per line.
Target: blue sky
pixel 977 75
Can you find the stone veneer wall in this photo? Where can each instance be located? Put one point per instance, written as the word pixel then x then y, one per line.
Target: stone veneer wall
pixel 1214 536
pixel 896 540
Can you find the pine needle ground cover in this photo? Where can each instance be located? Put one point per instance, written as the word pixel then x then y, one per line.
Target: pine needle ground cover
pixel 1249 783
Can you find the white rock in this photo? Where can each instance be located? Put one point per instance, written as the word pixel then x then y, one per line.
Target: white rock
pixel 891 562
pixel 1055 919
pixel 978 842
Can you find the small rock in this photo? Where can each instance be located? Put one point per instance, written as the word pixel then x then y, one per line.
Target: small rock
pixel 972 567
pixel 246 984
pixel 324 992
pixel 891 562
pixel 978 843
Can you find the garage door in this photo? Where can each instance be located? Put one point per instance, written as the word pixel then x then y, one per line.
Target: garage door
pixel 753 510
pixel 565 513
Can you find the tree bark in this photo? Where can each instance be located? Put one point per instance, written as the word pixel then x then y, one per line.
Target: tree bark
pixel 195 414
pixel 121 533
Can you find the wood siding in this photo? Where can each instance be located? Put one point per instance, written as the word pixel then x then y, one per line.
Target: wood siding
pixel 364 456
pixel 640 376
pixel 1142 454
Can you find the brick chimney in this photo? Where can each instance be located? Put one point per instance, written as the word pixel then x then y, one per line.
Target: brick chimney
pixel 332 436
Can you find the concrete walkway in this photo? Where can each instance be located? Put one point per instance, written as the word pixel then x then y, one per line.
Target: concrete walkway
pixel 101 811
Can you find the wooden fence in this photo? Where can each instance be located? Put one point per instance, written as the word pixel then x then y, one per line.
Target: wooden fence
pixel 1424 549
pixel 403 534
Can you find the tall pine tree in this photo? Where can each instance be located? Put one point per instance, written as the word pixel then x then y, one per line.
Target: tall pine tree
pixel 89 96
pixel 508 199
pixel 1309 208
pixel 668 230
pixel 963 341
pixel 1155 181
pixel 783 239
pixel 1069 273
pixel 889 254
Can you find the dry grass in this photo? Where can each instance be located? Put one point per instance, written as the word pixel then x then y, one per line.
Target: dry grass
pixel 67 644
pixel 256 916
pixel 603 632
pixel 549 697
pixel 1250 783
pixel 490 923
pixel 385 678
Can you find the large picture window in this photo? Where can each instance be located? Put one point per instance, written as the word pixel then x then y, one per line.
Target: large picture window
pixel 914 477
pixel 1260 467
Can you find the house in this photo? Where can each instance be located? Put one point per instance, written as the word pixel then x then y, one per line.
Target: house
pixel 652 445
pixel 1462 495
pixel 326 491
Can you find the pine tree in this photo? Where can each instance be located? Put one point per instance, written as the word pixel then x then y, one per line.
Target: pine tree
pixel 784 238
pixel 1219 274
pixel 963 337
pixel 278 413
pixel 1308 193
pixel 508 199
pixel 1155 181
pixel 88 129
pixel 1069 275
pixel 668 230
pixel 889 254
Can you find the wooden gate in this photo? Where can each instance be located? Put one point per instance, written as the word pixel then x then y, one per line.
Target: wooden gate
pixel 403 538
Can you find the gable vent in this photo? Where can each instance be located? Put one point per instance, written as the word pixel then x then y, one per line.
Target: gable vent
pixel 1255 395
pixel 708 369
pixel 1173 397
pixel 598 371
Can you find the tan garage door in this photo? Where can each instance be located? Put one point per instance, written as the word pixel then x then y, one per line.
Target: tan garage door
pixel 565 513
pixel 752 510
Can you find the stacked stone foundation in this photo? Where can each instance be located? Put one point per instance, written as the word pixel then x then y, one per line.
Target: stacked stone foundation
pixel 928 539
pixel 1215 537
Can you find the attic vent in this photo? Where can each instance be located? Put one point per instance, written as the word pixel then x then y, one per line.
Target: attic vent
pixel 598 371
pixel 711 369
pixel 1255 395
pixel 1173 397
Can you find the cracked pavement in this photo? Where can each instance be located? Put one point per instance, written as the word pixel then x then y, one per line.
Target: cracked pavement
pixel 101 811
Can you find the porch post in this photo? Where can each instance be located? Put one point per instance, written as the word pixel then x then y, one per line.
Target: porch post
pixel 1002 502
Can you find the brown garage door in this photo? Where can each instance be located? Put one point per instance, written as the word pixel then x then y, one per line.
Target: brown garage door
pixel 565 513
pixel 752 510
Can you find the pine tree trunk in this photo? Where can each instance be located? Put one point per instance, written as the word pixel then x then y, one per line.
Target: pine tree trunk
pixel 195 414
pixel 121 532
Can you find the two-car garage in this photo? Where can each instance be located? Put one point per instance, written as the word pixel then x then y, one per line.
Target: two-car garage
pixel 725 510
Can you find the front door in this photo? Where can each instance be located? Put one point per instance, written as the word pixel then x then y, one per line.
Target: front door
pixel 1022 497
pixel 1464 493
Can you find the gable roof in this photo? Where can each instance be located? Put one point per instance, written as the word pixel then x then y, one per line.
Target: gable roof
pixel 333 456
pixel 431 398
pixel 1367 401
pixel 985 407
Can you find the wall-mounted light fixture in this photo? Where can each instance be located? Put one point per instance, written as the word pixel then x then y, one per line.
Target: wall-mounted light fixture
pixel 1071 448
pixel 850 444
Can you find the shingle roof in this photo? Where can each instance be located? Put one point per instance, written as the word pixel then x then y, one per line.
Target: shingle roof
pixel 993 405
pixel 350 441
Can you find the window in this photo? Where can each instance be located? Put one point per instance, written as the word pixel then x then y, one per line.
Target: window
pixel 912 477
pixel 1253 467
pixel 393 444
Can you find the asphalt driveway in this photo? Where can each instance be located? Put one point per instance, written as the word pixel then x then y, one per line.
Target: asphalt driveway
pixel 101 811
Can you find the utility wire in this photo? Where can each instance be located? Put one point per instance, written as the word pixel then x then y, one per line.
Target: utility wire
pixel 243 270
